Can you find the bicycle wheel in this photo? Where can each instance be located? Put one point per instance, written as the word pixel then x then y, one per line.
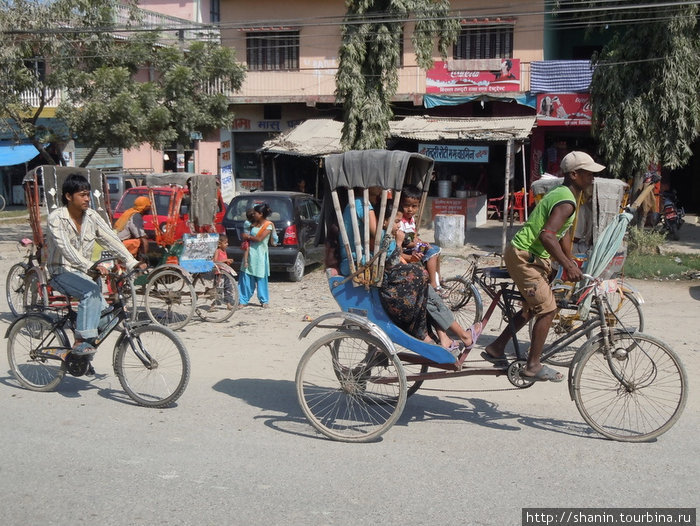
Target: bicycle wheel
pixel 2 202
pixel 170 299
pixel 152 365
pixel 28 336
pixel 624 311
pixel 35 292
pixel 410 369
pixel 217 296
pixel 14 288
pixel 646 403
pixel 464 300
pixel 350 387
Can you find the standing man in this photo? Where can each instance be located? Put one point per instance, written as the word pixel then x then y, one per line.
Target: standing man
pixel 546 234
pixel 73 230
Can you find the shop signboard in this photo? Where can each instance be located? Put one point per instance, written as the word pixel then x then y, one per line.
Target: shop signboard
pixel 439 79
pixel 450 153
pixel 449 206
pixel 564 109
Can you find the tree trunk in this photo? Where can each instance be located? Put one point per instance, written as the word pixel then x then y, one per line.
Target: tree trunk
pixel 89 157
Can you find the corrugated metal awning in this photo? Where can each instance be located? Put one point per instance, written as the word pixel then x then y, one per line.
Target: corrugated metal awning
pixel 449 128
pixel 314 137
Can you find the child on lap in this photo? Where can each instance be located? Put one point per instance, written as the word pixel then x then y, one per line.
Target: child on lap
pixel 412 244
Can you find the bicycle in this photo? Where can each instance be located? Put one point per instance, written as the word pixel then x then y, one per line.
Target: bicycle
pixel 3 202
pixel 15 282
pixel 150 361
pixel 465 301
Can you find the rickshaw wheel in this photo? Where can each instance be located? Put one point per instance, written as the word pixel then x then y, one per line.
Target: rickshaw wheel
pixel 211 289
pixel 514 376
pixel 350 387
pixel 170 299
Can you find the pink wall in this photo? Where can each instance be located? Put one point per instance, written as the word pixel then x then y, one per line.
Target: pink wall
pixel 186 9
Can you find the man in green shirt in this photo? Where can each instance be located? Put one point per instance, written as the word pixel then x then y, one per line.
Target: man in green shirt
pixel 546 234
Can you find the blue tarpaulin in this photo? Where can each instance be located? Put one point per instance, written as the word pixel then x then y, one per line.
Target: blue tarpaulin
pixel 11 154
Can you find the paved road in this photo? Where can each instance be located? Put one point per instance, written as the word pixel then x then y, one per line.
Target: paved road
pixel 237 449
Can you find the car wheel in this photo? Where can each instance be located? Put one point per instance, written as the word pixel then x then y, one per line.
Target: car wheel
pixel 297 272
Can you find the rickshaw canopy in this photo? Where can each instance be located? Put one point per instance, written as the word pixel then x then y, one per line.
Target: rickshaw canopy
pixel 383 168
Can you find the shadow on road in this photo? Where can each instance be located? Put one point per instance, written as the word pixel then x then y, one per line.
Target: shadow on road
pixel 279 396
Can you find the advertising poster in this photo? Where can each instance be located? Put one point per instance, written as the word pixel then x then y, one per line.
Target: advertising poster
pixel 440 79
pixel 564 109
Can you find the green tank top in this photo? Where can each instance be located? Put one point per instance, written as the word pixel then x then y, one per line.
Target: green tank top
pixel 528 237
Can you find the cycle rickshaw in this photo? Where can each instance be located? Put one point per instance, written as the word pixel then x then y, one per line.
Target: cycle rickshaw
pixel 186 280
pixel 353 382
pixel 27 282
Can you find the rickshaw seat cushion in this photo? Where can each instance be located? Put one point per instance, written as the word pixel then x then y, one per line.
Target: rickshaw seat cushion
pixel 496 272
pixel 367 303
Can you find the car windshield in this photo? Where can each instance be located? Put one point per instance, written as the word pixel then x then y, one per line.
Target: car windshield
pixel 281 207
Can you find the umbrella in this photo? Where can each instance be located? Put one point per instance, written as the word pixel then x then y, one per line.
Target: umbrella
pixel 603 252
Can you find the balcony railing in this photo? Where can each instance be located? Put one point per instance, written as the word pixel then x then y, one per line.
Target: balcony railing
pixel 172 28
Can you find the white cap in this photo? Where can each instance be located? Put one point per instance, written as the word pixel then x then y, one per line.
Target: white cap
pixel 580 161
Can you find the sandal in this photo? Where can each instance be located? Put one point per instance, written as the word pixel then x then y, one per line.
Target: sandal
pixel 546 374
pixel 475 334
pixel 83 349
pixel 500 361
pixel 456 348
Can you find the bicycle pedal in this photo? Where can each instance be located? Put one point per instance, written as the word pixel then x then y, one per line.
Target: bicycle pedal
pixel 90 371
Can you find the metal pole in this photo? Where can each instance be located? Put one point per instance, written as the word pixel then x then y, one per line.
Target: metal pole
pixel 506 193
pixel 522 149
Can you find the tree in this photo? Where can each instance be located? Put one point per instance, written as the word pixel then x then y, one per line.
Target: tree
pixel 82 49
pixel 369 59
pixel 644 93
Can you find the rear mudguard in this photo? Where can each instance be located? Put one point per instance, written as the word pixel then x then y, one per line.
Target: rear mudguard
pixel 46 317
pixel 343 320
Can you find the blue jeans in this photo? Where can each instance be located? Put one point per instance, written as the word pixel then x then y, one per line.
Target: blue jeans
pixel 92 303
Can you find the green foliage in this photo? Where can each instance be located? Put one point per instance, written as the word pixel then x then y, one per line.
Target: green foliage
pixel 104 102
pixel 369 58
pixel 646 104
pixel 658 266
pixel 644 241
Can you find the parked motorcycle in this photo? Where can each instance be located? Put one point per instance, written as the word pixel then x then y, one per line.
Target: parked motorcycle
pixel 671 216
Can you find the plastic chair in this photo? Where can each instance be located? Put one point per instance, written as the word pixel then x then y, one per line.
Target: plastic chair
pixel 517 205
pixel 495 206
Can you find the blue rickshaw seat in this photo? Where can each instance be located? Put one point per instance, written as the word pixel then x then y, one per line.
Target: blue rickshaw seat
pixel 358 300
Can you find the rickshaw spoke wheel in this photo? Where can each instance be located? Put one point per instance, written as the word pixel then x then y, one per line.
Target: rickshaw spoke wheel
pixel 637 395
pixel 217 296
pixel 170 299
pixel 350 387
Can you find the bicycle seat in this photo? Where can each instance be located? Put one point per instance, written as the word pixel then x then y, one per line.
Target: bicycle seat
pixel 496 272
pixel 367 303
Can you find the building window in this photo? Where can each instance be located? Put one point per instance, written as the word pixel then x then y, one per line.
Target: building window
pixel 215 12
pixel 269 51
pixel 484 41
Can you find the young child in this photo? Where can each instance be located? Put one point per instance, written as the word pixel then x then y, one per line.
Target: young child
pixel 220 256
pixel 245 245
pixel 412 245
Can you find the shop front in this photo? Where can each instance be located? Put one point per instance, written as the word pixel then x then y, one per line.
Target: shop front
pixel 474 157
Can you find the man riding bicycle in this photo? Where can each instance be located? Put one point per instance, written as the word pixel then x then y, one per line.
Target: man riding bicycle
pixel 546 234
pixel 73 230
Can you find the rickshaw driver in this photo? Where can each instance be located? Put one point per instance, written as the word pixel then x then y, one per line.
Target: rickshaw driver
pixel 546 234
pixel 130 229
pixel 73 230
